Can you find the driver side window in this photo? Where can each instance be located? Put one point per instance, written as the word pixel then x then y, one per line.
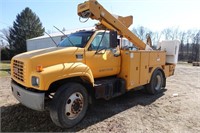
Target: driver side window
pixel 104 43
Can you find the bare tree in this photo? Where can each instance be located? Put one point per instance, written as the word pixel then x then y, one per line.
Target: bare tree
pixel 182 38
pixel 171 33
pixel 156 36
pixel 195 47
pixel 189 32
pixel 174 33
pixel 166 32
pixel 141 32
pixel 63 29
pixel 4 36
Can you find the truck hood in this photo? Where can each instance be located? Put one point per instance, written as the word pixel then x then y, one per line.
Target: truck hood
pixel 40 52
pixel 50 56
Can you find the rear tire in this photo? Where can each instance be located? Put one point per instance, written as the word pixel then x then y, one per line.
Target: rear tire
pixel 156 83
pixel 69 105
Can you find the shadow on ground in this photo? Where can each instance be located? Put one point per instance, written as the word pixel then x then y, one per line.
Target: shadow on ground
pixel 19 118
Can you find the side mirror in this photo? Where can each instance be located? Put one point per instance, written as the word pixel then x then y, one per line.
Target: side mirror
pixel 113 39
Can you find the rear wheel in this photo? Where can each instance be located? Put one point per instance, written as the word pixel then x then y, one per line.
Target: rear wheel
pixel 156 82
pixel 69 105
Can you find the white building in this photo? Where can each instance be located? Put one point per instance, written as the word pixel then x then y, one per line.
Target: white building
pixel 45 41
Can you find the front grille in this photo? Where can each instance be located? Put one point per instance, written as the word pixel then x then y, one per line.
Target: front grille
pixel 18 70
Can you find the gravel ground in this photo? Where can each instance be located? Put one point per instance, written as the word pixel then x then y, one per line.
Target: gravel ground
pixel 175 109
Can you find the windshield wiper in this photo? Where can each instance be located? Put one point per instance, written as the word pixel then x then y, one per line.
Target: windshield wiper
pixel 65 35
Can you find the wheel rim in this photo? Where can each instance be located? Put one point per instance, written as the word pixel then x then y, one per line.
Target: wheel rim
pixel 157 84
pixel 74 105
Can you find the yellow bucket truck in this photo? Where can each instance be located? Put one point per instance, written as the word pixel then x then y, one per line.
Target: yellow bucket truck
pixel 90 64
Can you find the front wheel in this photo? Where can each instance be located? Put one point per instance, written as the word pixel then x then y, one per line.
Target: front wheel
pixel 69 105
pixel 156 82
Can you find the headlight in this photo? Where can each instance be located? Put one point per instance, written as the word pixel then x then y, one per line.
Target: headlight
pixel 35 81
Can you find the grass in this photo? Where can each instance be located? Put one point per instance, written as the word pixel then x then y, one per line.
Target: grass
pixel 4 68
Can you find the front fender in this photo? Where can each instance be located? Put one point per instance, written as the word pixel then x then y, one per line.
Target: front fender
pixel 63 71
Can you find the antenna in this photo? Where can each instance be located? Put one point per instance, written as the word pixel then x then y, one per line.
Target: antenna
pixel 64 35
pixel 51 39
pixel 59 30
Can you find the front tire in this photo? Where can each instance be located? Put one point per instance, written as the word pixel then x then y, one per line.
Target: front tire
pixel 156 83
pixel 69 105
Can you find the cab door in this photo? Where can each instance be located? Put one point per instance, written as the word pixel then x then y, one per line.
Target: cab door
pixel 101 58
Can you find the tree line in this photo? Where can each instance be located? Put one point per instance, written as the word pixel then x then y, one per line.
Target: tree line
pixel 189 49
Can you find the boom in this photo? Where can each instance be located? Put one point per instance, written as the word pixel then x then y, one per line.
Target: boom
pixel 92 9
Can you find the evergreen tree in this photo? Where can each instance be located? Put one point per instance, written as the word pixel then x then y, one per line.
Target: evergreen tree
pixel 27 25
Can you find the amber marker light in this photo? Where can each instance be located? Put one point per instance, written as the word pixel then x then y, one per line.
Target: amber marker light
pixel 39 68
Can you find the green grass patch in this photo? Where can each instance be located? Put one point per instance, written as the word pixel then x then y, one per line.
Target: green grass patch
pixel 4 68
pixel 4 74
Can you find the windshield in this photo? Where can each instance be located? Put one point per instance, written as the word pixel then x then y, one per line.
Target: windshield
pixel 78 39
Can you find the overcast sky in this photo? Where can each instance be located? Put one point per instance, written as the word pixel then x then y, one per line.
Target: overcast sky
pixel 153 14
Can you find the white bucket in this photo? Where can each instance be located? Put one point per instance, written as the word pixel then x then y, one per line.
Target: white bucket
pixel 172 49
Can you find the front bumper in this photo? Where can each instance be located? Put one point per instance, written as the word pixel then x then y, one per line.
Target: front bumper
pixel 33 100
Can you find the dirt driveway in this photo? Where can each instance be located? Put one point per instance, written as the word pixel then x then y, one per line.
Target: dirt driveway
pixel 175 109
